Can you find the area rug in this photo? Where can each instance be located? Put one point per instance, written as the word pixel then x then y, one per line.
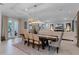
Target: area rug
pixel 34 51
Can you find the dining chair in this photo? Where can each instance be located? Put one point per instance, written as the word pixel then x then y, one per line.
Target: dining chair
pixel 55 43
pixel 25 36
pixel 30 39
pixel 69 36
pixel 37 41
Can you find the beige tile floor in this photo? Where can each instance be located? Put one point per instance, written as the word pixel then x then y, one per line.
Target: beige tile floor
pixel 6 47
pixel 67 48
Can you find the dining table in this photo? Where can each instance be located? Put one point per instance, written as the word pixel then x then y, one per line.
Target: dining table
pixel 44 39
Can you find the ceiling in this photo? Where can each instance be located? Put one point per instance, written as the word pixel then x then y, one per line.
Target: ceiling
pixel 48 12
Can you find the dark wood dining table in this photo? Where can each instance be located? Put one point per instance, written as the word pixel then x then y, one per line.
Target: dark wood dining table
pixel 44 39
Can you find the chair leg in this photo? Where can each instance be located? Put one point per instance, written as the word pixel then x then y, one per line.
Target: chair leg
pixel 33 45
pixel 48 48
pixel 25 42
pixel 57 49
pixel 28 43
pixel 38 47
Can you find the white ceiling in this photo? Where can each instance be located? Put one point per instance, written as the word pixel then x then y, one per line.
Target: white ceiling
pixel 43 11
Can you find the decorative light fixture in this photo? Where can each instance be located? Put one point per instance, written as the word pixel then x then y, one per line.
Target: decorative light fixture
pixel 37 22
pixel 33 21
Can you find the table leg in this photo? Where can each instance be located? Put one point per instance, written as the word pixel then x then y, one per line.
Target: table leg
pixel 28 42
pixel 47 44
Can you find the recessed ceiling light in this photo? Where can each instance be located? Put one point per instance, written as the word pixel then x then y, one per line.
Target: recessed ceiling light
pixel 65 18
pixel 26 9
pixel 35 5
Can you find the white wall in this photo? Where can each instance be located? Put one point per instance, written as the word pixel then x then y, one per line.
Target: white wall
pixel 5 27
pixel 21 25
pixel 0 27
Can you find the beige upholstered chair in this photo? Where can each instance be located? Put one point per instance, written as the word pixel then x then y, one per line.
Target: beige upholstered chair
pixel 37 41
pixel 30 38
pixel 70 36
pixel 25 35
pixel 57 43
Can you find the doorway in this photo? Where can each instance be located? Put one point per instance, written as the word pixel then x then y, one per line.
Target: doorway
pixel 12 28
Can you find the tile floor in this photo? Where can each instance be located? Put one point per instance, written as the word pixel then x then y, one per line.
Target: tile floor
pixel 6 47
pixel 67 48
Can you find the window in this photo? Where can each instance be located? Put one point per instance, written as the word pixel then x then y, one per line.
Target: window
pixel 25 25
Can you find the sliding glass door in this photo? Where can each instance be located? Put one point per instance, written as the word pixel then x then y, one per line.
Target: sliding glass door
pixel 12 28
